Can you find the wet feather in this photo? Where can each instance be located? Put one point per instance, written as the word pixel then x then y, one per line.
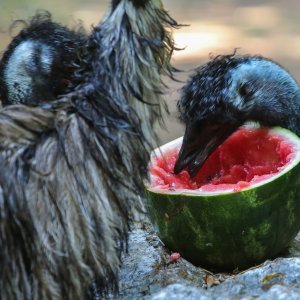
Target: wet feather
pixel 73 168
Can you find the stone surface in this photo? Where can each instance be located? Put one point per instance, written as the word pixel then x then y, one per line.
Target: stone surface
pixel 262 282
pixel 149 273
pixel 179 291
pixel 147 267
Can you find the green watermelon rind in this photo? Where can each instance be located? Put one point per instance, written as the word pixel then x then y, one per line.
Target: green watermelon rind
pixel 230 230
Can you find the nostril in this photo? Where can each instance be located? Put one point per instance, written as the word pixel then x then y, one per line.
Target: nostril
pixel 244 90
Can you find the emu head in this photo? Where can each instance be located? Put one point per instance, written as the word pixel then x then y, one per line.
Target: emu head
pixel 39 63
pixel 225 93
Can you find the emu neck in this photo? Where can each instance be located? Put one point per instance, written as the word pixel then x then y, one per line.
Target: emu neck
pixel 293 114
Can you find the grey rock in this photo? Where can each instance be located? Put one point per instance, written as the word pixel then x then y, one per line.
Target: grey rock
pixel 147 267
pixel 279 292
pixel 148 273
pixel 260 282
pixel 179 291
pixel 279 279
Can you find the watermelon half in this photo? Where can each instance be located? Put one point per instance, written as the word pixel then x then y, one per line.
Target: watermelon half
pixel 241 208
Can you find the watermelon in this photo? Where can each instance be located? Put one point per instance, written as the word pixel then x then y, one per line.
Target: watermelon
pixel 241 208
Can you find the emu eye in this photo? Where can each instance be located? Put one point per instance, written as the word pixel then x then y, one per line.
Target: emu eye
pixel 244 90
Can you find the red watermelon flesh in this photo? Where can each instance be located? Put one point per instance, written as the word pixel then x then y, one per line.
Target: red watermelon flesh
pixel 249 156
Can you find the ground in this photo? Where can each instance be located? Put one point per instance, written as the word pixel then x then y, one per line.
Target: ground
pixel 149 273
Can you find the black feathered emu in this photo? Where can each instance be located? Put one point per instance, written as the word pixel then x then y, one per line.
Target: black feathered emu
pixel 75 134
pixel 227 92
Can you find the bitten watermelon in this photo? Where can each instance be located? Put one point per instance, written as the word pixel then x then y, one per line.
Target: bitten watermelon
pixel 241 208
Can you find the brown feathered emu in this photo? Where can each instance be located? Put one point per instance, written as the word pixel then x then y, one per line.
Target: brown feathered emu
pixel 75 136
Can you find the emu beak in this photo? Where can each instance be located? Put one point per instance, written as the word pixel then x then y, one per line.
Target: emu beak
pixel 199 141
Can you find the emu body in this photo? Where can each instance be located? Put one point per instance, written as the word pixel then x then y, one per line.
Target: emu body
pixel 73 158
pixel 225 93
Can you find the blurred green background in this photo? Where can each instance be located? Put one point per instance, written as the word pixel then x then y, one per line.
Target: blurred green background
pixel 269 28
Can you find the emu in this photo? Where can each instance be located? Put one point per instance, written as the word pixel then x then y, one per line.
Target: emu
pixel 75 134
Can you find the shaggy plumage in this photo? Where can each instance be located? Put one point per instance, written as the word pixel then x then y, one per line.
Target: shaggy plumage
pixel 225 93
pixel 72 169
